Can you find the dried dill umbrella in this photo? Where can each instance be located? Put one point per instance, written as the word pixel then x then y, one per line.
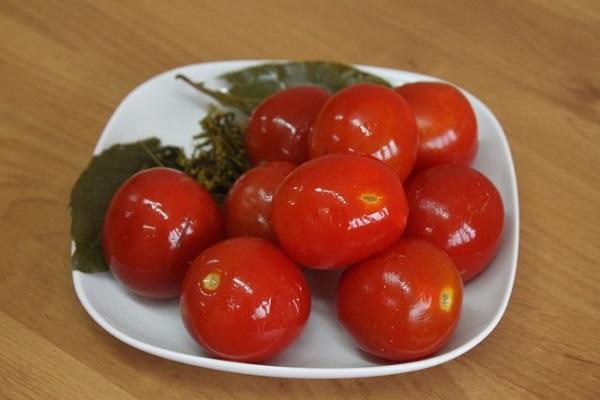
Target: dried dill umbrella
pixel 218 157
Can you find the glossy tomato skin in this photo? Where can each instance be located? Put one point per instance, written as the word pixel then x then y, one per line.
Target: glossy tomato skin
pixel 247 206
pixel 279 126
pixel 445 121
pixel 157 222
pixel 458 209
pixel 338 209
pixel 244 300
pixel 402 304
pixel 367 119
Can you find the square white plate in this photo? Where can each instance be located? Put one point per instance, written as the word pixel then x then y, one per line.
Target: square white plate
pixel 170 110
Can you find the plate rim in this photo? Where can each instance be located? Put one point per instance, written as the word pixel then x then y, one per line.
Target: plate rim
pixel 314 372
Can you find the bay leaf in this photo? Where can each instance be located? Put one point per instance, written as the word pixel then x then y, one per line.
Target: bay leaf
pixel 247 87
pixel 93 191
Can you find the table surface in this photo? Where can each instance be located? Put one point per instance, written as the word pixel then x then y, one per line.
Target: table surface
pixel 64 67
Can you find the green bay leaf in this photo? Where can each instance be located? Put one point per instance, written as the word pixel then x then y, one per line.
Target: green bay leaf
pixel 247 87
pixel 93 191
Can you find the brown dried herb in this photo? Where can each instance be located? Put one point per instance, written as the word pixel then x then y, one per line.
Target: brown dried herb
pixel 218 158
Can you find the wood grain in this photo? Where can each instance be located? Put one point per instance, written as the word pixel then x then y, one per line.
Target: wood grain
pixel 65 65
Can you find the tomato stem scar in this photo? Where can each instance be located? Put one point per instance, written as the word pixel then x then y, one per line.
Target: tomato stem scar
pixel 211 281
pixel 370 198
pixel 446 299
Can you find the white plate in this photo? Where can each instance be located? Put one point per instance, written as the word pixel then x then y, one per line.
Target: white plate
pixel 171 110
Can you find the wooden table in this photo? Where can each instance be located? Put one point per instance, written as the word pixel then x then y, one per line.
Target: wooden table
pixel 65 65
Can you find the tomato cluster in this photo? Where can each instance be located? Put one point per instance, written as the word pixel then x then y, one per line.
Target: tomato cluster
pixel 370 179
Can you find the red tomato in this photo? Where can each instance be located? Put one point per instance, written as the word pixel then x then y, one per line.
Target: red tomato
pixel 244 300
pixel 458 209
pixel 279 126
pixel 402 304
pixel 367 119
pixel 445 121
pixel 157 222
pixel 338 209
pixel 247 207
